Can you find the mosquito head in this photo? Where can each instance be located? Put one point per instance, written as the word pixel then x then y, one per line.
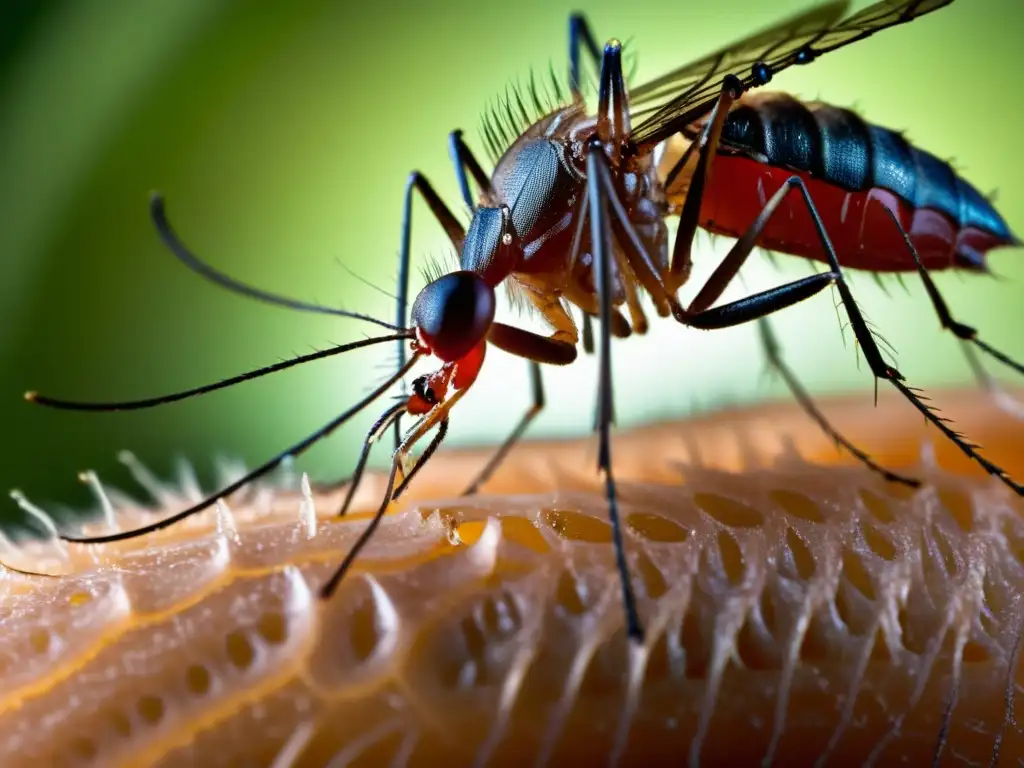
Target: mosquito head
pixel 453 314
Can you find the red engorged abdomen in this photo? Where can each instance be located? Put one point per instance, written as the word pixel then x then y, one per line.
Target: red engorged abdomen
pixel 862 233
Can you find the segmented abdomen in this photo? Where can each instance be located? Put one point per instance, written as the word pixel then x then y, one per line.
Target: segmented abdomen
pixel 852 169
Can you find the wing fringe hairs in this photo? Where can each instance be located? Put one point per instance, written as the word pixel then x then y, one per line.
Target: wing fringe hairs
pixel 830 617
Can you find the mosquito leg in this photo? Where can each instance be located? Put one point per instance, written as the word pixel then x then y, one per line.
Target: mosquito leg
pixel 612 129
pixel 536 406
pixel 762 304
pixel 600 235
pixel 676 169
pixel 431 448
pixel 767 302
pixel 390 494
pixel 613 124
pixel 418 182
pixel 557 349
pixel 965 333
pixel 874 355
pixel 713 289
pixel 773 353
pixel 637 257
pixel 371 437
pixel 579 32
pixel 988 383
pixel 332 583
pixel 588 334
pixel 463 160
pixel 689 217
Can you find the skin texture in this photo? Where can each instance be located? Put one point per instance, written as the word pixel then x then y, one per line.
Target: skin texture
pixel 798 609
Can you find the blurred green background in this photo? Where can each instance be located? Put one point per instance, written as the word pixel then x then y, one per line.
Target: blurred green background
pixel 282 134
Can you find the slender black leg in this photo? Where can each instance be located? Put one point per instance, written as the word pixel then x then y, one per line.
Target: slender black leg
pixel 390 494
pixel 773 353
pixel 579 31
pixel 725 272
pixel 676 169
pixel 878 366
pixel 429 451
pixel 770 301
pixel 372 436
pixel 988 383
pixel 689 217
pixel 600 234
pixel 965 333
pixel 332 583
pixel 536 406
pixel 762 304
pixel 588 334
pixel 456 234
pixel 463 160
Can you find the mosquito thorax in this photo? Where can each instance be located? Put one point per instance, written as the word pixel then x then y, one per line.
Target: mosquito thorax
pixel 453 314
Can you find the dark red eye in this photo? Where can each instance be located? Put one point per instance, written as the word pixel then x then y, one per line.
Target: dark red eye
pixel 453 313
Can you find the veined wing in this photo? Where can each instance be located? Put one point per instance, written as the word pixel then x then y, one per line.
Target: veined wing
pixel 663 106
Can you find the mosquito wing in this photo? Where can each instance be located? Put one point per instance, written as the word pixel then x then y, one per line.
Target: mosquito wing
pixel 665 105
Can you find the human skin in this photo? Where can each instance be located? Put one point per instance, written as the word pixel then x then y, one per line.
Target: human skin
pixel 796 607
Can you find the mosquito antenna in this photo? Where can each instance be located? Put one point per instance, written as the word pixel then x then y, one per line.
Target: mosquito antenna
pixel 132 405
pixel 263 469
pixel 375 432
pixel 193 262
pixel 389 495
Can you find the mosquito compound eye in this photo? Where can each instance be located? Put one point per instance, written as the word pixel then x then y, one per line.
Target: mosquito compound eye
pixel 453 313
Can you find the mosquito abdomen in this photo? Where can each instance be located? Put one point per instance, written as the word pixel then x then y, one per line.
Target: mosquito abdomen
pixel 851 166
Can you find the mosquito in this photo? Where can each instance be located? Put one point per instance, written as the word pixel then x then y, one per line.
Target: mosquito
pixel 573 218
